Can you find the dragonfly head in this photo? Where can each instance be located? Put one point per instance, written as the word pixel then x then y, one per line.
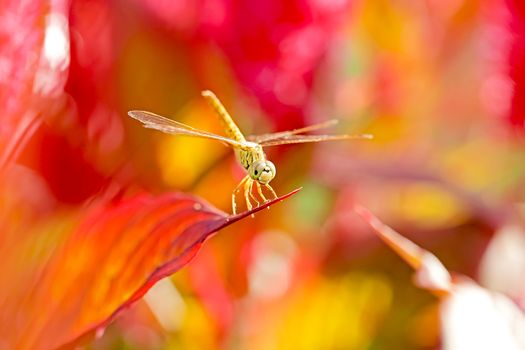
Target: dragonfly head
pixel 262 171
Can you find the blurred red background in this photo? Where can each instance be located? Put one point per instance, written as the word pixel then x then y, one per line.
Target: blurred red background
pixel 440 84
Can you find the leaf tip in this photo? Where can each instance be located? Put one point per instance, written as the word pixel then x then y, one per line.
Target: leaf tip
pixel 430 272
pixel 363 212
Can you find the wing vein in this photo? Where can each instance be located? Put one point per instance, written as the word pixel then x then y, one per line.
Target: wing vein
pixel 168 126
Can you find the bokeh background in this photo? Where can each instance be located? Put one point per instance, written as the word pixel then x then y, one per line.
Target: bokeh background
pixel 439 83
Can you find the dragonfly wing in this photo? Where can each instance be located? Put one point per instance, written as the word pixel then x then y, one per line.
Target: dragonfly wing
pixel 283 134
pixel 152 118
pixel 313 138
pixel 168 126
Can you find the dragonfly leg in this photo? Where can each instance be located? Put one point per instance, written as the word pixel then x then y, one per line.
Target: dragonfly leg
pixel 271 190
pixel 234 194
pixel 251 194
pixel 260 192
pixel 247 188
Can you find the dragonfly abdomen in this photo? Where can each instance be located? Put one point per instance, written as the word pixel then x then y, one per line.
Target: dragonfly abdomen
pixel 231 129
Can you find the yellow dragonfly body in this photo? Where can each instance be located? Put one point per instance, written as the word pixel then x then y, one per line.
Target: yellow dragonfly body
pixel 249 152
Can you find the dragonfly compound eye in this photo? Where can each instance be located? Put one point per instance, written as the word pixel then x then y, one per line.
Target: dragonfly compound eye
pixel 263 171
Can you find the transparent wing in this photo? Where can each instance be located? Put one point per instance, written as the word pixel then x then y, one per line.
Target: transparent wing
pixel 284 134
pixel 168 126
pixel 313 138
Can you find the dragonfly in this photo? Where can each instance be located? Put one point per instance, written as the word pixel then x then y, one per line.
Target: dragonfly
pixel 249 150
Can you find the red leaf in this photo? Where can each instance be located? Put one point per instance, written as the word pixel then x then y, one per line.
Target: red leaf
pixel 72 283
pixel 34 56
pixel 517 63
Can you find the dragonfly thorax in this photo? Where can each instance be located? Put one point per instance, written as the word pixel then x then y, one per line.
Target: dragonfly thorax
pixel 250 154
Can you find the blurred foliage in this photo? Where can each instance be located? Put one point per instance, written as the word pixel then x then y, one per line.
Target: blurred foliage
pixel 440 84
